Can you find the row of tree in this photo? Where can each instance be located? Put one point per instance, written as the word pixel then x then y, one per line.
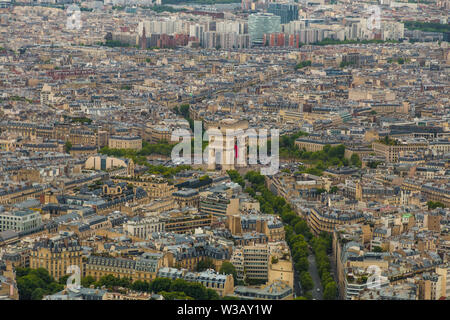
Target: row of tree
pixel 170 289
pixel 34 284
pixel 303 64
pixel 427 26
pixel 435 204
pixel 183 110
pixel 298 235
pixel 329 41
pixel 162 148
pixel 323 159
pixel 139 157
pixel 321 245
pixel 236 177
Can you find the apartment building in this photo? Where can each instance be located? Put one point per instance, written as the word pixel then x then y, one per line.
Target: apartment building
pixel 158 133
pixel 16 195
pixel 323 220
pixel 437 192
pixel 156 188
pixel 430 286
pixel 184 220
pixel 278 290
pixel 270 226
pixel 143 227
pixel 23 221
pixel 143 268
pixel 57 254
pixel 125 142
pixel 313 144
pixel 219 206
pixel 444 273
pixel 252 262
pixel 393 152
pixel 187 198
pixel 223 284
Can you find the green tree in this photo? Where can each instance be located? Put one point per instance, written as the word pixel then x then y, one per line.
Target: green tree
pixel 344 64
pixel 29 280
pixel 326 277
pixel 330 291
pixel 308 295
pixel 354 159
pixel 86 282
pixel 377 249
pixel 302 264
pixel 175 295
pixel 212 295
pixel 373 164
pixel 179 285
pixel 434 205
pixel 301 227
pixel 205 264
pixel 306 281
pixel 303 64
pixel 334 189
pixel 67 146
pixel 300 250
pixel 63 279
pixel 38 294
pixel 142 286
pixel 228 268
pixel 196 291
pixel 236 177
pixel 160 284
pixel 230 298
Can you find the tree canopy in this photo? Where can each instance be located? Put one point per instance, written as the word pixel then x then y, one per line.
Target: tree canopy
pixel 205 264
pixel 228 268
pixel 34 284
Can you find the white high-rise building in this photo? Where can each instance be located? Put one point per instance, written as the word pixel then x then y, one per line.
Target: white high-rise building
pixel 392 30
pixel 169 26
pixel 293 27
pixel 197 30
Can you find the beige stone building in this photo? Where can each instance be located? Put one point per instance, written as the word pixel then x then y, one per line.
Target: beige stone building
pixel 108 163
pixel 156 188
pixel 125 142
pixel 56 256
pixel 313 145
pixel 393 152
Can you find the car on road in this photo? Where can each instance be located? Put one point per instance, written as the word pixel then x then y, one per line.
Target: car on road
pixel 318 289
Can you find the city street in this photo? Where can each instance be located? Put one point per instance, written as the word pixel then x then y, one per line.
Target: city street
pixel 315 277
pixel 297 285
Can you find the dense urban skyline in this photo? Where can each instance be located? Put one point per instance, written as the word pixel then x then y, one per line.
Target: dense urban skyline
pixel 224 150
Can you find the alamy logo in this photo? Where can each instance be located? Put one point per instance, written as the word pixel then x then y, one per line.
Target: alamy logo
pixel 374 20
pixel 74 281
pixel 73 17
pixel 227 147
pixel 374 281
